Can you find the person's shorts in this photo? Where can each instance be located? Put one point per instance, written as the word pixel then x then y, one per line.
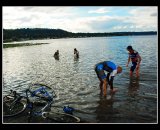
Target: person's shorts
pixel 100 73
pixel 134 64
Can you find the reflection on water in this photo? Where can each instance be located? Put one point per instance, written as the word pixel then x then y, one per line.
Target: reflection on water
pixel 75 81
pixel 133 86
pixel 104 110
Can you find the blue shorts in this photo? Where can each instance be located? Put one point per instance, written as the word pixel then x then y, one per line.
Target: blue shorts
pixel 134 64
pixel 100 73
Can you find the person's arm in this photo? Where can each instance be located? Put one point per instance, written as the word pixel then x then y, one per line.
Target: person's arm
pixel 128 61
pixel 108 78
pixel 139 60
pixel 112 75
pixel 77 54
pixel 111 82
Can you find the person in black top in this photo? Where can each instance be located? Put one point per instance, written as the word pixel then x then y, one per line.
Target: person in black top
pixel 56 55
pixel 76 53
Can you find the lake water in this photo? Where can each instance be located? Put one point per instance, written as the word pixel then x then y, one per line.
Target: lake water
pixel 75 81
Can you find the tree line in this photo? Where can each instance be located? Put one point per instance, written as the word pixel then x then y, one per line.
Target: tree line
pixel 43 33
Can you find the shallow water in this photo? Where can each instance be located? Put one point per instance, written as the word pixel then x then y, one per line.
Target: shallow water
pixel 75 81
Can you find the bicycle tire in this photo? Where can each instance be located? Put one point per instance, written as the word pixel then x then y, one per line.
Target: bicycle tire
pixel 33 87
pixel 17 109
pixel 61 117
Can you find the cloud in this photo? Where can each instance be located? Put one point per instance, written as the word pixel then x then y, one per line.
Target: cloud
pixel 51 11
pixel 89 24
pixel 139 19
pixel 143 11
pixel 80 19
pixel 154 14
pixel 99 11
pixel 34 16
pixel 143 18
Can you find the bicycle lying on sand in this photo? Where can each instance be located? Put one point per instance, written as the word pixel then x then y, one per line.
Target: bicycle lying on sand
pixel 15 104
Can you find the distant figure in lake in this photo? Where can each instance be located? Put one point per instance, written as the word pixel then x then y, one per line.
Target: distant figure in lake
pixel 56 55
pixel 136 60
pixel 76 53
pixel 112 70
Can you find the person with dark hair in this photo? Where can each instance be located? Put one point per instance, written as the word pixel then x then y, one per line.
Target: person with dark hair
pixel 56 55
pixel 136 60
pixel 112 70
pixel 76 53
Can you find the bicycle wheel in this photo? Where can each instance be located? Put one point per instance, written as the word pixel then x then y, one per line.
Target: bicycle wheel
pixel 60 117
pixel 11 108
pixel 41 90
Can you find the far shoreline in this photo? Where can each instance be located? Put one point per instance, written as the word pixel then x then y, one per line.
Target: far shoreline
pixel 14 42
pixel 8 45
pixel 25 34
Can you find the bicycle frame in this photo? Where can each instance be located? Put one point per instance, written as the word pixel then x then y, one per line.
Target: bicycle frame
pixel 48 98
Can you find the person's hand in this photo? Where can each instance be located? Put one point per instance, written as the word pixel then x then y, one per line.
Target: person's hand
pixel 127 65
pixel 138 65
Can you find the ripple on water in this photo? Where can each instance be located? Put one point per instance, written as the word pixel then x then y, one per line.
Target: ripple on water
pixel 75 81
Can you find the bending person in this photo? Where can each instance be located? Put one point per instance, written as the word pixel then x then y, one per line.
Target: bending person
pixel 112 70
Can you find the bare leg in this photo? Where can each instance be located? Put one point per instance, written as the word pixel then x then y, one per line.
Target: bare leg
pixel 137 72
pixel 131 73
pixel 104 87
pixel 100 86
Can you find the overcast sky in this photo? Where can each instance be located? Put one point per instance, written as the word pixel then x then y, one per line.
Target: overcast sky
pixel 82 18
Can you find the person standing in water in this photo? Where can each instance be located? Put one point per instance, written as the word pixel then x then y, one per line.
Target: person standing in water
pixel 56 55
pixel 136 60
pixel 76 53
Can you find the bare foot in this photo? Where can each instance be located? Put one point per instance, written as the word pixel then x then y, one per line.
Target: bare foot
pixel 108 97
pixel 113 90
